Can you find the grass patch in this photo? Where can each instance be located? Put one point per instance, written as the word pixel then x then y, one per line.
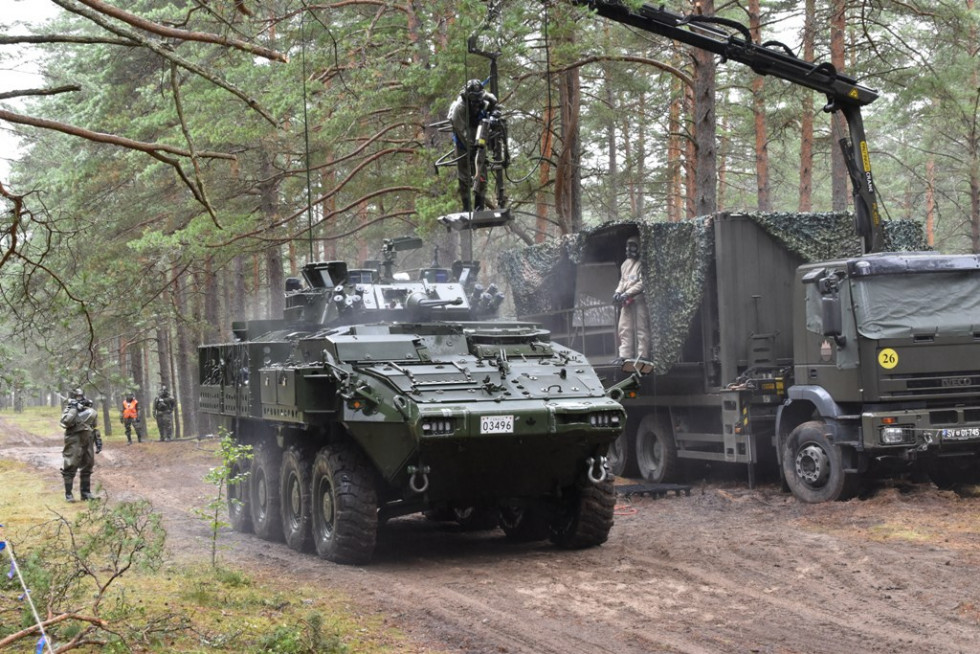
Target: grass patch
pixel 185 608
pixel 890 531
pixel 38 420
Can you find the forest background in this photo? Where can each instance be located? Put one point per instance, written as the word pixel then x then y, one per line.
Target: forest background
pixel 183 157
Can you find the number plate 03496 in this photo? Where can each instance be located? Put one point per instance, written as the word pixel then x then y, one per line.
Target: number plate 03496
pixel 496 424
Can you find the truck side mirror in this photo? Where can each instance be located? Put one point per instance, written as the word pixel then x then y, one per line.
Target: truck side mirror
pixel 833 323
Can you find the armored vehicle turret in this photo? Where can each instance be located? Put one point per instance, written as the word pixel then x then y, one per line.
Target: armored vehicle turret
pixel 376 397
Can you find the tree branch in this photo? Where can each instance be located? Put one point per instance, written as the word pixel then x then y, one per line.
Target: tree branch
pixel 170 32
pixel 26 92
pixel 100 137
pixel 164 50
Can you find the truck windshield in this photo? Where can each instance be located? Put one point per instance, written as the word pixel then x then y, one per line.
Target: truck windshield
pixel 900 305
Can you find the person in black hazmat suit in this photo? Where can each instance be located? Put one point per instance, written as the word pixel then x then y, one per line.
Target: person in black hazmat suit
pixel 473 104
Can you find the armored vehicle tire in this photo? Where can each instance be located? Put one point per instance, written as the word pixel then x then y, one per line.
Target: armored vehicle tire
pixel 295 493
pixel 264 495
pixel 239 511
pixel 524 524
pixel 950 472
pixel 656 451
pixel 476 518
pixel 586 518
pixel 344 505
pixel 814 467
pixel 621 457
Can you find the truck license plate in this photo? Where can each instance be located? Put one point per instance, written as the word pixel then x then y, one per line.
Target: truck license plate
pixel 496 424
pixel 964 434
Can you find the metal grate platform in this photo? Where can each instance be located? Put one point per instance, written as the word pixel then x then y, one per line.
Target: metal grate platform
pixel 653 490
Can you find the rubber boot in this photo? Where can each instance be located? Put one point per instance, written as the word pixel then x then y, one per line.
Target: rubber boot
pixel 85 484
pixel 68 494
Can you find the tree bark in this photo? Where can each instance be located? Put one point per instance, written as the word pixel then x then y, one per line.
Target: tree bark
pixel 187 357
pixel 568 177
pixel 759 115
pixel 838 167
pixel 268 189
pixel 706 173
pixel 806 121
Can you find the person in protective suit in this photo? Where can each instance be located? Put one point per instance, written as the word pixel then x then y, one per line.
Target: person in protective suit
pixel 473 104
pixel 130 418
pixel 82 442
pixel 163 410
pixel 634 319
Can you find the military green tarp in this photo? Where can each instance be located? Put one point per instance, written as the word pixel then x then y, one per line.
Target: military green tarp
pixel 675 259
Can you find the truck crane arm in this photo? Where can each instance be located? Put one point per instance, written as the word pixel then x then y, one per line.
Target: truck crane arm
pixel 732 40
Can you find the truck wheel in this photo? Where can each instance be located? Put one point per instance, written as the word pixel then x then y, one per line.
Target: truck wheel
pixel 344 505
pixel 524 524
pixel 621 457
pixel 656 451
pixel 264 493
pixel 295 493
pixel 586 518
pixel 813 466
pixel 239 512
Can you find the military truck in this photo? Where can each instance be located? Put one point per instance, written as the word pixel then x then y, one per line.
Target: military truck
pixel 835 364
pixel 777 342
pixel 375 397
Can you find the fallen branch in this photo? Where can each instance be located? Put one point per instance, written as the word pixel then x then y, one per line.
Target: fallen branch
pixel 33 629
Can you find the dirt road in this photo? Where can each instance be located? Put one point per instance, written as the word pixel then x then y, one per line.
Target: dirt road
pixel 726 569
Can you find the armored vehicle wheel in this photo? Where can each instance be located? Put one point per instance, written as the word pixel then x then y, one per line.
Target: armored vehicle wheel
pixel 814 467
pixel 239 511
pixel 476 518
pixel 295 493
pixel 344 505
pixel 656 451
pixel 586 516
pixel 950 472
pixel 264 496
pixel 621 457
pixel 524 524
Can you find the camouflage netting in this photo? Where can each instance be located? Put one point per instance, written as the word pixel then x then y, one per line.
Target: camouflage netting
pixel 676 257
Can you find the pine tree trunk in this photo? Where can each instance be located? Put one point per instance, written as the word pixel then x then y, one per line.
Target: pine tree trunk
pixel 806 122
pixel 838 167
pixel 675 150
pixel 187 358
pixel 705 166
pixel 568 178
pixel 612 153
pixel 759 114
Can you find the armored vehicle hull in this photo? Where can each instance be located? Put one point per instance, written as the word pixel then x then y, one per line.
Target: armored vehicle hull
pixel 354 421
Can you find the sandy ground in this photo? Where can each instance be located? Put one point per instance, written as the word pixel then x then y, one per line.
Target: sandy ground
pixel 726 569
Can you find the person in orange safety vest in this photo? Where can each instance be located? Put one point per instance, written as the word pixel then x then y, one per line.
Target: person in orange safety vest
pixel 131 418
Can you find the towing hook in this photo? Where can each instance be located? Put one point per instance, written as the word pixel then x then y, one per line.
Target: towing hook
pixel 416 472
pixel 595 469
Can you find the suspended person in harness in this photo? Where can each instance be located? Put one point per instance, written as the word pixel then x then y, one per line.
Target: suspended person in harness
pixel 130 418
pixel 473 104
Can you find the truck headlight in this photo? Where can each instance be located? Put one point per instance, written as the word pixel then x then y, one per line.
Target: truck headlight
pixel 895 435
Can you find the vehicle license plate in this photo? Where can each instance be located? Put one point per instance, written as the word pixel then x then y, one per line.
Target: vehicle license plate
pixel 967 433
pixel 496 424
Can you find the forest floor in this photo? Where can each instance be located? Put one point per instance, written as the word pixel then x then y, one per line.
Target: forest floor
pixel 725 569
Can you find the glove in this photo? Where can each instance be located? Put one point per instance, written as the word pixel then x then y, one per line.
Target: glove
pixel 98 440
pixel 617 298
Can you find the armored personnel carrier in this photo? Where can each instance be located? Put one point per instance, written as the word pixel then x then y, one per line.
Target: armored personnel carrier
pixel 374 397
